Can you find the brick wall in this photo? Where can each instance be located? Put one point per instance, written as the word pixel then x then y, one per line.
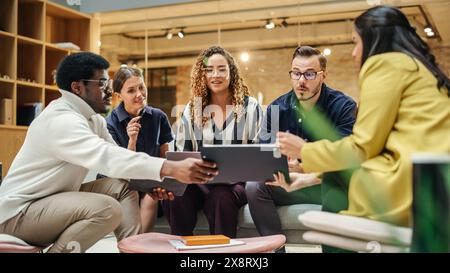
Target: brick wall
pixel 442 54
pixel 183 86
pixel 267 72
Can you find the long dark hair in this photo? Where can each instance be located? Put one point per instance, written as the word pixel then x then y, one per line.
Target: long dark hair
pixel 386 29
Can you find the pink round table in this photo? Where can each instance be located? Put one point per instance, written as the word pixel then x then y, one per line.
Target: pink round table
pixel 159 243
pixel 15 248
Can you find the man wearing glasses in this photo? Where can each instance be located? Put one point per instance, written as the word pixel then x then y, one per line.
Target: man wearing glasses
pixel 43 200
pixel 313 111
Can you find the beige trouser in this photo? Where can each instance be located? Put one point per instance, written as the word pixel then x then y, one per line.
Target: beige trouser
pixel 74 221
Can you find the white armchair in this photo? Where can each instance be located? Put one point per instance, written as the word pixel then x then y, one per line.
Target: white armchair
pixel 354 233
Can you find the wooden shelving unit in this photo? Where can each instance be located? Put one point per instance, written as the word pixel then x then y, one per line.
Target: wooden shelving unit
pixel 8 16
pixel 7 62
pixel 7 90
pixel 65 25
pixel 30 19
pixel 53 56
pixel 30 61
pixel 29 33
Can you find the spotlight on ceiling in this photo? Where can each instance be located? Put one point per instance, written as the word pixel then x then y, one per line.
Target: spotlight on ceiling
pixel 168 34
pixel 181 33
pixel 430 34
pixel 327 52
pixel 428 29
pixel 270 24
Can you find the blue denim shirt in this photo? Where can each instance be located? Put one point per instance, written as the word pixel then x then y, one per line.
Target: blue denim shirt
pixel 337 109
pixel 154 132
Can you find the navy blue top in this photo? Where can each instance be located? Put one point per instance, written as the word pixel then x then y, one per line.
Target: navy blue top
pixel 333 107
pixel 154 132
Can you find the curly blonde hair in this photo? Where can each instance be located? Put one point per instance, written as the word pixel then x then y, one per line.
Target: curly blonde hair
pixel 199 89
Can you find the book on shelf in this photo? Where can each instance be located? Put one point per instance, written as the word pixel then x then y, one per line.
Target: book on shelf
pixel 6 111
pixel 67 45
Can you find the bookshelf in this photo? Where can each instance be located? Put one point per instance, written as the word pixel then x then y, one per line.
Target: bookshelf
pixel 29 33
pixel 8 16
pixel 53 56
pixel 30 19
pixel 65 25
pixel 30 63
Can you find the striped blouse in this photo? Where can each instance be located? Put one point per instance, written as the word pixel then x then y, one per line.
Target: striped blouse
pixel 190 137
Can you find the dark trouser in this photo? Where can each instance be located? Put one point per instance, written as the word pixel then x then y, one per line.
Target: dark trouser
pixel 332 194
pixel 263 201
pixel 220 203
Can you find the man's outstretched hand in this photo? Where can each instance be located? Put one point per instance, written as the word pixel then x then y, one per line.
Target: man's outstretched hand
pixel 190 170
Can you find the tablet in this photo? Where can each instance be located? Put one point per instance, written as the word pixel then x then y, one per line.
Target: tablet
pixel 178 156
pixel 245 162
pixel 168 183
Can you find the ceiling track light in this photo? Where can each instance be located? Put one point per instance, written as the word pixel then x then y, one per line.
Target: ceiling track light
pixel 168 34
pixel 430 34
pixel 269 24
pixel 429 31
pixel 181 33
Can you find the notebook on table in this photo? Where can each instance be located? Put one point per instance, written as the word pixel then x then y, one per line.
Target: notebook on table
pixel 181 244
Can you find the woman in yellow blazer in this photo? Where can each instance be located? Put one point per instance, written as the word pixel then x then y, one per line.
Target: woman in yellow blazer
pixel 404 109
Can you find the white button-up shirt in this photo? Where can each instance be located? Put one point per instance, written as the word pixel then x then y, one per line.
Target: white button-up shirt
pixel 62 144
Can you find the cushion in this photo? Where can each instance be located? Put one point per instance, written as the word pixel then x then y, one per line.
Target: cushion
pixel 13 244
pixel 8 239
pixel 317 237
pixel 356 227
pixel 288 216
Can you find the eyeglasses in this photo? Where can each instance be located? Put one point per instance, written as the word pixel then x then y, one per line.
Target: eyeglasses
pixel 309 75
pixel 221 72
pixel 104 84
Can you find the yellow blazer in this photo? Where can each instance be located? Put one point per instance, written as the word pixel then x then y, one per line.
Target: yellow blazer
pixel 401 112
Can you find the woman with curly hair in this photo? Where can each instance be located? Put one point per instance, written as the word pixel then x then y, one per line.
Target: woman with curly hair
pixel 220 111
